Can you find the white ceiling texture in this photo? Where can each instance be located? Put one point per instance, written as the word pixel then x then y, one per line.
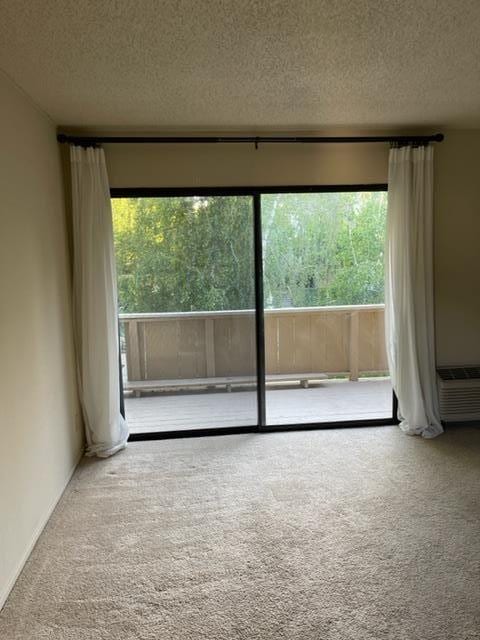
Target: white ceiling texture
pixel 246 64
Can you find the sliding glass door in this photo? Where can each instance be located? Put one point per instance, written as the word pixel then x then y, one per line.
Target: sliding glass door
pixel 186 288
pixel 251 309
pixel 324 307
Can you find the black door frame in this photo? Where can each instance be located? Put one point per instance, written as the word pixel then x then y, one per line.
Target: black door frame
pixel 255 192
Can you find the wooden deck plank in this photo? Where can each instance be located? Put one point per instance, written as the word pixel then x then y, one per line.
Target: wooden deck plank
pixel 331 400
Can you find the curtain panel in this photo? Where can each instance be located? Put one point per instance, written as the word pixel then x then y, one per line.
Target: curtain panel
pixel 409 319
pixel 95 304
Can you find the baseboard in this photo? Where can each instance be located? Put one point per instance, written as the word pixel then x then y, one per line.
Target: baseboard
pixel 5 592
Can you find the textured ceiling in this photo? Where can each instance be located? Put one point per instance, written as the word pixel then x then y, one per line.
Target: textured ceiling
pixel 217 64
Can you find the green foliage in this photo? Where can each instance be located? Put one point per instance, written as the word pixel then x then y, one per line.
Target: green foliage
pixel 184 254
pixel 324 249
pixel 196 254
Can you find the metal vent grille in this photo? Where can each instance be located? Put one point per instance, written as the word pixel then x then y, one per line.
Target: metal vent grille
pixel 459 389
pixel 459 373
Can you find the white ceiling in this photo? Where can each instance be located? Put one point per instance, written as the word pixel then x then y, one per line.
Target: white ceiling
pixel 256 64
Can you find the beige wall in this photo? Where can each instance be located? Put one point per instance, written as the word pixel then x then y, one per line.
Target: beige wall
pixel 457 208
pixel 240 165
pixel 40 431
pixel 457 248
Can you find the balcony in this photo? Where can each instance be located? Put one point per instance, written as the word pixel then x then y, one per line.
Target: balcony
pixel 197 370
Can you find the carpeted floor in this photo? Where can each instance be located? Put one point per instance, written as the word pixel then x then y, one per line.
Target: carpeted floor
pixel 336 535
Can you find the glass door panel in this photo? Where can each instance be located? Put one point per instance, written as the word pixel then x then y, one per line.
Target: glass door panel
pixel 323 287
pixel 186 290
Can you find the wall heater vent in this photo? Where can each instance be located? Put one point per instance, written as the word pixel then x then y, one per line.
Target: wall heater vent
pixel 459 390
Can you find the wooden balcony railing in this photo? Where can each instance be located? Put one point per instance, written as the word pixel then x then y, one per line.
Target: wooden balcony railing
pixel 346 340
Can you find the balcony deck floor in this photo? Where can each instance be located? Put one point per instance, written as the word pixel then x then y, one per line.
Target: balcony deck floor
pixel 328 401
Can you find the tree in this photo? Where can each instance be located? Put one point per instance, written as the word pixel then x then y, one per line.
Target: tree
pixel 195 253
pixel 184 254
pixel 324 249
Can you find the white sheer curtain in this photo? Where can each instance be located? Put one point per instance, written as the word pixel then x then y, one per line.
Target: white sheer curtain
pixel 409 289
pixel 95 303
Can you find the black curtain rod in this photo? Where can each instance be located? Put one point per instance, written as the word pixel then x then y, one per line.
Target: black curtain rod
pixel 86 141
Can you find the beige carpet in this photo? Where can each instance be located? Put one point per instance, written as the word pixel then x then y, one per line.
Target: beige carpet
pixel 335 535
